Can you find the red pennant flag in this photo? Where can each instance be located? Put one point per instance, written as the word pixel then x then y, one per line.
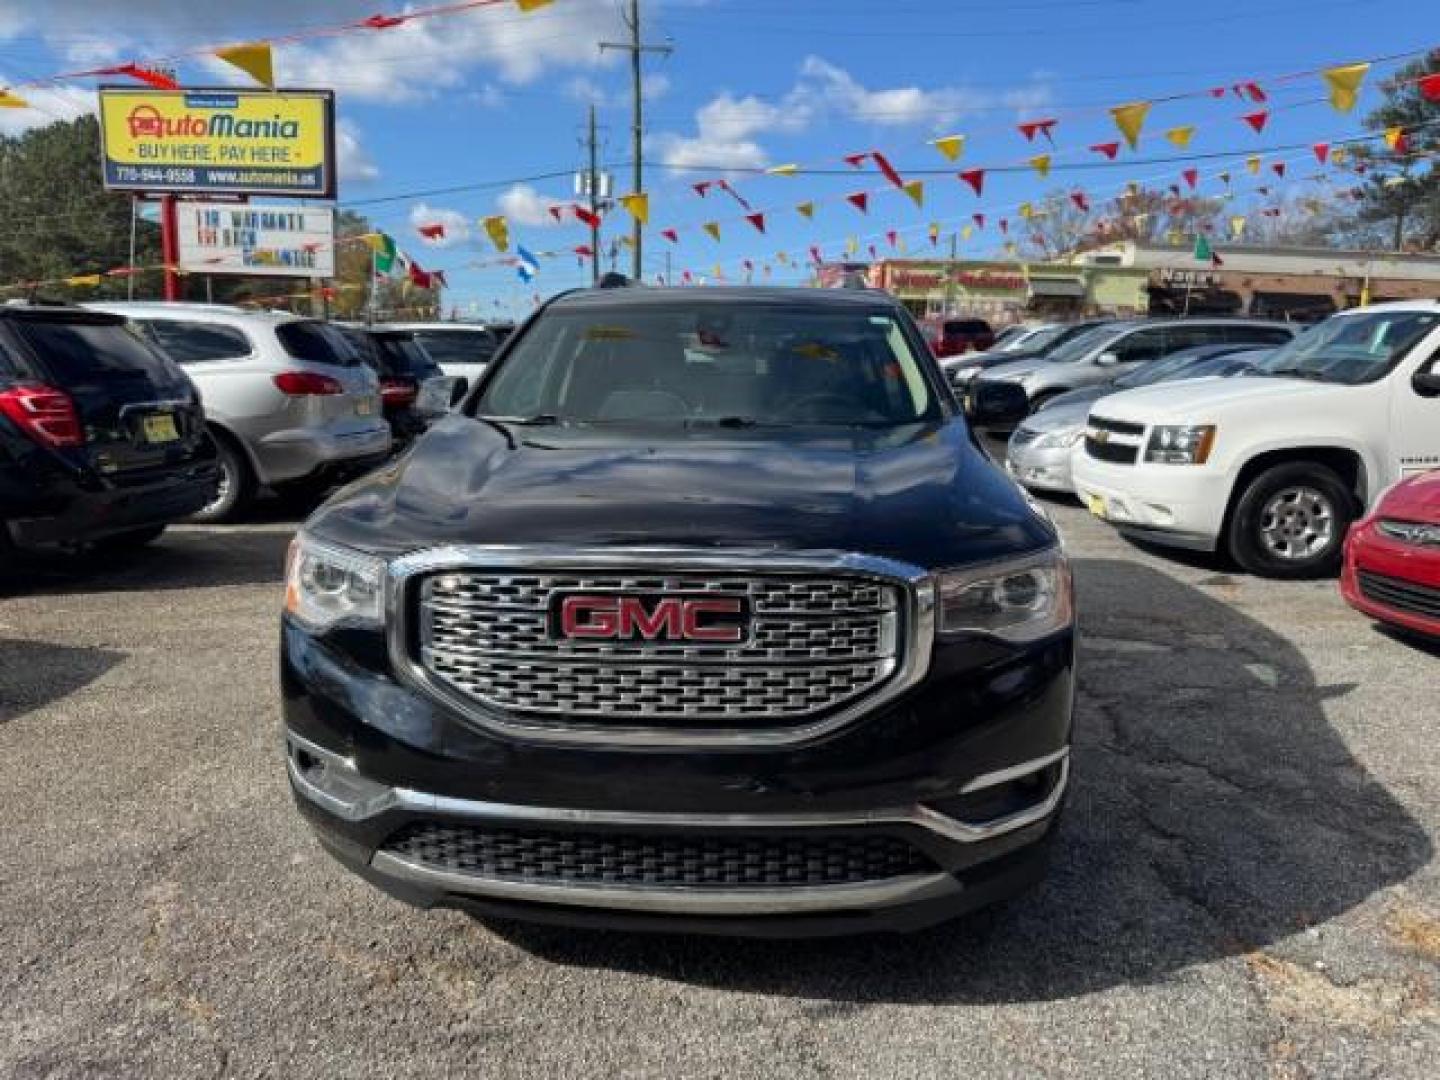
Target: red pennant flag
pixel 1217 92
pixel 1279 168
pixel 979 220
pixel 975 178
pixel 815 254
pixel 1272 212
pixel 1192 177
pixel 1078 198
pixel 749 266
pixel 1109 149
pixel 437 277
pixel 859 200
pixel 1249 90
pixel 1044 127
pixel 432 232
pixel 1430 87
pixel 758 220
pixel 554 212
pixel 883 164
pixel 418 277
pixel 1005 226
pixel 157 79
pixel 725 187
pixel 1322 152
pixel 873 253
pixel 892 237
pixel 855 160
pixel 1257 119
pixel 671 235
pixel 585 216
pixel 1215 259
pixel 381 22
pixel 703 187
pixel 585 251
pixel 686 277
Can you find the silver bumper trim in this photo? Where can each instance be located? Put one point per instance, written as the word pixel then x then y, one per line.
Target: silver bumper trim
pixel 379 798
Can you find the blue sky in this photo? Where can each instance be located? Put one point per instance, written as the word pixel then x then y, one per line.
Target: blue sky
pixel 481 101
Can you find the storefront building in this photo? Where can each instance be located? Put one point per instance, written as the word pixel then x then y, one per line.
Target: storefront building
pixel 1009 292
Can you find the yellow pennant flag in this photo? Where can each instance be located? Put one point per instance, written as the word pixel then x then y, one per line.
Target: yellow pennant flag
pixel 1130 119
pixel 1344 84
pixel 1394 136
pixel 934 232
pixel 1339 155
pixel 713 228
pixel 1027 211
pixel 1237 227
pixel 900 244
pixel 12 101
pixel 498 229
pixel 1252 164
pixel 916 190
pixel 1172 236
pixel 1011 248
pixel 638 206
pixel 852 245
pixel 807 209
pixel 952 146
pixel 626 241
pixel 253 59
pixel 83 279
pixel 1181 136
pixel 1041 164
pixel 967 231
pixel 717 273
pixel 783 170
pixel 531 5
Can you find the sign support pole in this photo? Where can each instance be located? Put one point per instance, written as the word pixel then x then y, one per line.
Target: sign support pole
pixel 170 246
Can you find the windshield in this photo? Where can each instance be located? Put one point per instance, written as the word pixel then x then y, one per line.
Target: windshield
pixel 85 351
pixel 318 343
pixel 1171 367
pixel 1350 349
pixel 735 363
pixel 458 346
pixel 1039 339
pixel 1078 347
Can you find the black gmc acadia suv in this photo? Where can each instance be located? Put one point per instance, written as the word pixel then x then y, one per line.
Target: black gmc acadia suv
pixel 705 612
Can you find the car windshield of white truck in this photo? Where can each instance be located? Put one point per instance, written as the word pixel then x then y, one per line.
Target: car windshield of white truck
pixel 1350 349
pixel 720 363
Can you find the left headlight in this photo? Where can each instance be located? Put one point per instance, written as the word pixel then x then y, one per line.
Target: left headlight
pixel 1019 600
pixel 326 585
pixel 1060 440
pixel 1188 444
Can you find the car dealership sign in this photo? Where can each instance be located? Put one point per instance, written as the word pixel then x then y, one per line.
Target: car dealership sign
pixel 223 141
pixel 234 238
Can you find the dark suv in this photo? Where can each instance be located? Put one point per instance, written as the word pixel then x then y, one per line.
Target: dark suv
pixel 413 389
pixel 955 337
pixel 102 438
pixel 705 612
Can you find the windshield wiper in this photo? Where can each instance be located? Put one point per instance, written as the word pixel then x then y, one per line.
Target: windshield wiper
pixel 539 420
pixel 1296 373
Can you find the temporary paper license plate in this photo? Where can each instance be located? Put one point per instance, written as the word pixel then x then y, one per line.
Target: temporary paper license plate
pixel 159 428
pixel 364 406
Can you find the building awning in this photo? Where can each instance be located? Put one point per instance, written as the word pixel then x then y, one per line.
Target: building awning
pixel 1057 287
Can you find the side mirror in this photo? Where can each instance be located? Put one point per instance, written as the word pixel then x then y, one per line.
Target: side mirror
pixel 1107 359
pixel 1426 383
pixel 997 404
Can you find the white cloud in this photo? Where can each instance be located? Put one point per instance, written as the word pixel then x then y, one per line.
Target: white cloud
pixel 47 105
pixel 457 225
pixel 411 62
pixel 725 131
pixel 355 164
pixel 523 205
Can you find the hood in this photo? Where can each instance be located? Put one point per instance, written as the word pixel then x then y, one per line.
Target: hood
pixel 1203 400
pixel 1014 370
pixel 1415 499
pixel 990 359
pixel 923 494
pixel 1059 415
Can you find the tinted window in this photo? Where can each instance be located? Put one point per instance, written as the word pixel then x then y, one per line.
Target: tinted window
pixel 1260 335
pixel 967 326
pixel 458 346
pixel 403 355
pixel 699 362
pixel 78 352
pixel 196 343
pixel 1141 346
pixel 317 343
pixel 1079 346
pixel 1350 349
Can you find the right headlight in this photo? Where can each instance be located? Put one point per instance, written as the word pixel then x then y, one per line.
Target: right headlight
pixel 959 376
pixel 1060 440
pixel 1183 444
pixel 1019 600
pixel 326 584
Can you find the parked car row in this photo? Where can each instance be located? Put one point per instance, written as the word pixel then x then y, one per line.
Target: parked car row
pixel 1319 456
pixel 119 418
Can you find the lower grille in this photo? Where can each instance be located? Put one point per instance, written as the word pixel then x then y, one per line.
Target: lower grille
pixel 1402 595
pixel 1119 453
pixel 746 860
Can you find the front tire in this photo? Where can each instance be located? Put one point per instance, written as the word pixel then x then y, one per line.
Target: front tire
pixel 1291 521
pixel 237 484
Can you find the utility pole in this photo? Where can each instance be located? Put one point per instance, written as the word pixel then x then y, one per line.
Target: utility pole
pixel 950 278
pixel 637 134
pixel 594 188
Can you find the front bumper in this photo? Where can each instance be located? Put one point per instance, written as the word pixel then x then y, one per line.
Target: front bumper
pixel 1041 468
pixel 299 453
pixel 969 769
pixel 1178 505
pixel 1399 573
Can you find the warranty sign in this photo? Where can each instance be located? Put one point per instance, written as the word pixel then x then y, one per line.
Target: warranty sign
pixel 221 141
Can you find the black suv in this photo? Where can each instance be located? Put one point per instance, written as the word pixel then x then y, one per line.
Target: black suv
pixel 705 612
pixel 102 438
pixel 413 389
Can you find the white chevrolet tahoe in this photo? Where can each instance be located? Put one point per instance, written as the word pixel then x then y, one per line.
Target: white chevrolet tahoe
pixel 1273 466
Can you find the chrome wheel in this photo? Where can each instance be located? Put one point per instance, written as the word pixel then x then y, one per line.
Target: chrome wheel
pixel 1297 523
pixel 222 489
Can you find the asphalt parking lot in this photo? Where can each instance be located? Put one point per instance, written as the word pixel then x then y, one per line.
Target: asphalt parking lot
pixel 1246 883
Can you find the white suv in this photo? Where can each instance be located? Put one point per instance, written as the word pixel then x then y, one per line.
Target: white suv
pixel 1274 465
pixel 287 399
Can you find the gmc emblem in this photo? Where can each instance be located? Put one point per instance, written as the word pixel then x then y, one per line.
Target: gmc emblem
pixel 710 619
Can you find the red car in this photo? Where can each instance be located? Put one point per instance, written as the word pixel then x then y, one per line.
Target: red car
pixel 952 337
pixel 1392 558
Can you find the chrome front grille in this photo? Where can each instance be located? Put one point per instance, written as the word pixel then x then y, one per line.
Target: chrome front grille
pixel 814 645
